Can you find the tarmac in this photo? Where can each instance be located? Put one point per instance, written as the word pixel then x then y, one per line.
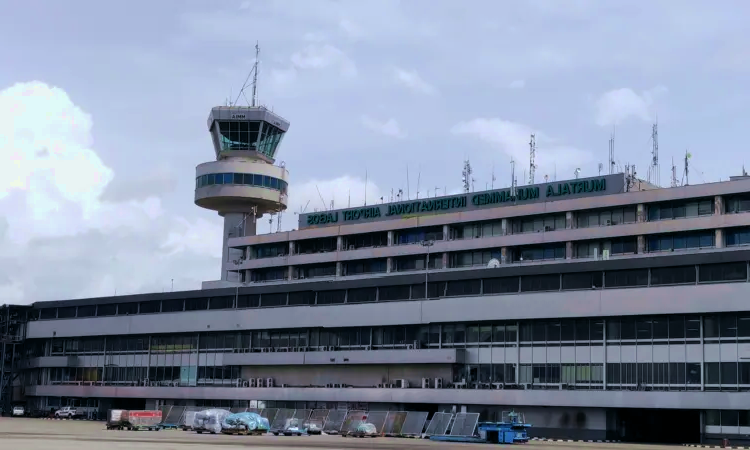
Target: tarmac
pixel 39 434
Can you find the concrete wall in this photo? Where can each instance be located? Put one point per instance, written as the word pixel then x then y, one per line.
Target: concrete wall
pixel 518 398
pixel 690 299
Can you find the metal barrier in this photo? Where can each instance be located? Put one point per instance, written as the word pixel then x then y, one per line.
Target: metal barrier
pixel 334 421
pixel 282 418
pixel 394 423
pixel 464 424
pixel 172 416
pixel 414 423
pixel 377 418
pixel 269 413
pixel 439 424
pixel 237 409
pixel 301 416
pixel 318 416
pixel 188 417
pixel 353 420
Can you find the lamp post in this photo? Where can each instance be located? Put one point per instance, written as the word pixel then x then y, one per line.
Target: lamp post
pixel 427 244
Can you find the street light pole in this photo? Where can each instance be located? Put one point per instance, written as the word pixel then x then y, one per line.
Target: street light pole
pixel 427 244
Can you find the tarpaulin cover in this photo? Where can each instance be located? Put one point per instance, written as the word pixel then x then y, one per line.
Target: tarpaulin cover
pixel 245 421
pixel 210 420
pixel 367 428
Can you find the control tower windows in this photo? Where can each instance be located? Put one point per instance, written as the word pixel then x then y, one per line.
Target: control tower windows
pixel 236 135
pixel 269 139
pixel 241 179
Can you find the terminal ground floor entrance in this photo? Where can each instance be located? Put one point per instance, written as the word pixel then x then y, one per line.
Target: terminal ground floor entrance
pixel 654 426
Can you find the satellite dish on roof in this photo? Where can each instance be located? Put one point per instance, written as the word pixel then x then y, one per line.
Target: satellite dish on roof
pixel 493 264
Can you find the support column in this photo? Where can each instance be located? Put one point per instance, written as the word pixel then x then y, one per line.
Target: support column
pixel 569 250
pixel 291 248
pixel 339 243
pixel 446 231
pixel 604 350
pixel 718 205
pixel 444 261
pixel 390 238
pixel 640 213
pixel 569 220
pixel 504 226
pixel 290 274
pixel 389 265
pixel 338 269
pixel 719 238
pixel 641 244
pixel 504 255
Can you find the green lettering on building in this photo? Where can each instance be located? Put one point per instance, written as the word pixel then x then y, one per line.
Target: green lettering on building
pixel 429 205
pixel 323 218
pixel 496 197
pixel 577 187
pixel 367 212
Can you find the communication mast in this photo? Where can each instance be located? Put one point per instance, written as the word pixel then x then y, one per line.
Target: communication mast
pixel 532 155
pixel 687 168
pixel 654 169
pixel 468 181
pixel 513 181
pixel 612 152
pixel 674 174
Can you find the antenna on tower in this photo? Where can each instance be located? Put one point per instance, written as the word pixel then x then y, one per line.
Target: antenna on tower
pixel 674 174
pixel 254 73
pixel 468 181
pixel 600 168
pixel 685 174
pixel 512 178
pixel 532 155
pixel 492 184
pixel 654 169
pixel 612 151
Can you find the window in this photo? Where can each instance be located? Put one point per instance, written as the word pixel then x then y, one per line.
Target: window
pixel 501 285
pixel 267 300
pixel 67 312
pixel 463 288
pixel 680 241
pixel 176 305
pixel 248 301
pixel 737 236
pixel 302 298
pixel 331 297
pixel 391 293
pixel 222 302
pixel 129 309
pixel 241 179
pixel 106 310
pixel 735 271
pixel 673 275
pixel 680 209
pixel 626 278
pixel 532 283
pixel 87 311
pixel 589 280
pixel 362 295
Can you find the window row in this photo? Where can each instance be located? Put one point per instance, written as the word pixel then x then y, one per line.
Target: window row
pixel 658 276
pixel 245 179
pixel 680 209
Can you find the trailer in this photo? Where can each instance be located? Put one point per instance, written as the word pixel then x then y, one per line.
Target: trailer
pixel 142 420
pixel 512 429
pixel 114 419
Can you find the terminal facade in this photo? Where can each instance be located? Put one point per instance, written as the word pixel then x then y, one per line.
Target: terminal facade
pixel 591 305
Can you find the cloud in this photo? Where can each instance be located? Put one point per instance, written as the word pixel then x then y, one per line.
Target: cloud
pixel 389 127
pixel 618 105
pixel 322 56
pixel 64 231
pixel 517 84
pixel 412 80
pixel 513 139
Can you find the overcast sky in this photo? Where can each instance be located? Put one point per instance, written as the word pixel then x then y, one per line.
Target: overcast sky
pixel 103 110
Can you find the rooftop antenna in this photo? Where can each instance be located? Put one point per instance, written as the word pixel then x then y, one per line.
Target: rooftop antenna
pixel 419 176
pixel 349 199
pixel 365 187
pixel 467 176
pixel 674 174
pixel 321 198
pixel 408 185
pixel 601 166
pixel 512 178
pixel 577 172
pixel 492 184
pixel 612 151
pixel 532 155
pixel 685 175
pixel 254 73
pixel 655 155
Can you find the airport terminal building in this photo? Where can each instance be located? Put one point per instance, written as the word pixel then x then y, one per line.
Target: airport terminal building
pixel 592 305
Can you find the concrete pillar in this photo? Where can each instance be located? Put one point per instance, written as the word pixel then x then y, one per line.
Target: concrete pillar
pixel 641 244
pixel 389 264
pixel 719 238
pixel 338 268
pixel 640 213
pixel 390 238
pixel 446 232
pixel 569 250
pixel 569 224
pixel 444 261
pixel 339 243
pixel 504 226
pixel 290 274
pixel 718 205
pixel 291 247
pixel 504 255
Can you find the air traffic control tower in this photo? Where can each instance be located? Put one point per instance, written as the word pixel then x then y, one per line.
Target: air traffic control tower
pixel 243 183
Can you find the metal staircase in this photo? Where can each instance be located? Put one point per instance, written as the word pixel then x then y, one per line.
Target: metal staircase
pixel 12 333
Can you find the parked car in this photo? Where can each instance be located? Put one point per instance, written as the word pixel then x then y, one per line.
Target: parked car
pixel 66 412
pixel 18 411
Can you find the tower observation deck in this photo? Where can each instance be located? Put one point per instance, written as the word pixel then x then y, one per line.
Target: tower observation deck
pixel 243 183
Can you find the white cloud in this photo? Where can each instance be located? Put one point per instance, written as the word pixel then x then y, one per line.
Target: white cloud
pixel 513 139
pixel 351 29
pixel 389 127
pixel 618 105
pixel 412 80
pixel 322 56
pixel 517 84
pixel 60 236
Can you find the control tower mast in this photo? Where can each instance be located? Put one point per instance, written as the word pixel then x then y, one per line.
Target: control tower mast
pixel 243 183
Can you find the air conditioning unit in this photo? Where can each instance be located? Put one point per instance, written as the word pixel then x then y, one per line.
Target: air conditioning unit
pixel 409 347
pixel 415 345
pixel 401 383
pixel 253 383
pixel 438 383
pixel 337 385
pixel 605 254
pixel 260 382
pixel 549 228
pixel 284 385
pixel 608 223
pixel 381 385
pixel 245 383
pixel 269 382
pixel 351 247
pixel 368 348
pixel 329 385
pixel 425 383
